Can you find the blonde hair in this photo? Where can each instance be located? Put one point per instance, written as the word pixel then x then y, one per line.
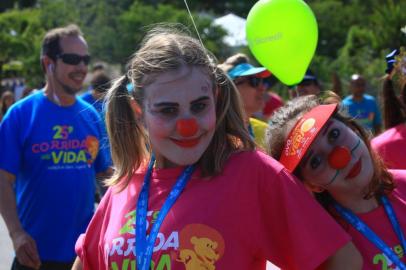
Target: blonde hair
pixel 164 49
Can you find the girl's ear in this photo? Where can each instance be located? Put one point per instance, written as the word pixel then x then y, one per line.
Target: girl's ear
pixel 313 187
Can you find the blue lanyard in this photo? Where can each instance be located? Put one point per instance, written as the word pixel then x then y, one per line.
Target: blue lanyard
pixel 145 245
pixel 360 226
pixel 393 219
pixel 251 131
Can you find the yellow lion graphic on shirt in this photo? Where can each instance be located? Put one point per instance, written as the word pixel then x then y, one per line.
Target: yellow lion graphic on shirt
pixel 202 257
pixel 198 250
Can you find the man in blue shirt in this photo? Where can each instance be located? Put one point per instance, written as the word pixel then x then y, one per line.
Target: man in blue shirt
pixel 50 156
pixel 363 107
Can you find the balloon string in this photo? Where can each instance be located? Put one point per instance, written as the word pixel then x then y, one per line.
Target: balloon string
pixel 193 21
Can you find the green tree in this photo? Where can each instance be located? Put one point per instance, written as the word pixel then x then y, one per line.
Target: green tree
pixel 20 38
pixel 387 19
pixel 358 56
pixel 57 13
pixel 137 20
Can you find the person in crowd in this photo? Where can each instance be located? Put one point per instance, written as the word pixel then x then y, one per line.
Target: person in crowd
pixel 99 84
pixel 6 100
pixel 188 170
pixel 361 106
pixel 272 102
pixel 28 91
pixel 331 154
pixel 336 85
pixel 50 157
pixel 251 85
pixel 391 144
pixel 308 86
pixel 19 89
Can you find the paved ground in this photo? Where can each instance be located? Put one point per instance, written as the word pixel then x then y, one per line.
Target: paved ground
pixel 6 248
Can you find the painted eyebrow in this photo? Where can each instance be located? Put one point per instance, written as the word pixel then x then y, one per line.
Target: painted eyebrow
pixel 203 98
pixel 175 104
pixel 166 104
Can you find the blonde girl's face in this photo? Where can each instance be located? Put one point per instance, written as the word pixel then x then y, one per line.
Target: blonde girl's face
pixel 180 115
pixel 337 161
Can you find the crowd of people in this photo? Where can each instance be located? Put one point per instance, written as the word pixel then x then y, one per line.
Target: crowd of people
pixel 194 164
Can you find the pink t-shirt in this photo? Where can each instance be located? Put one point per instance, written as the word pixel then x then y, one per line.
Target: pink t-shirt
pixel 391 146
pixel 379 222
pixel 253 211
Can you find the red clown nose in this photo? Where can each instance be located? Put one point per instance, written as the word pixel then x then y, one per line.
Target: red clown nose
pixel 339 157
pixel 187 127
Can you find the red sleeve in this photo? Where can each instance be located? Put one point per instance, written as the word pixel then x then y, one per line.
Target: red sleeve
pixel 295 232
pixel 87 246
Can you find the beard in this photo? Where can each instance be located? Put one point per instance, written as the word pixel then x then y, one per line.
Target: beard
pixel 66 88
pixel 69 90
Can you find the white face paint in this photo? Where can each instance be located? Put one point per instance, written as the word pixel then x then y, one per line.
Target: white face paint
pixel 317 171
pixel 183 94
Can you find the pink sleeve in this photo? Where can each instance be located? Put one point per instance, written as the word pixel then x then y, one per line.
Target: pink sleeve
pixel 399 177
pixel 295 231
pixel 87 246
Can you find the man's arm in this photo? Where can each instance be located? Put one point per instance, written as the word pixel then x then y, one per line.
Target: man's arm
pixel 348 257
pixel 77 265
pixel 24 245
pixel 104 175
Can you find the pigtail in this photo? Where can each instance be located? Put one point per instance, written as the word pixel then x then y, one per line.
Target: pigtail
pixel 393 108
pixel 126 133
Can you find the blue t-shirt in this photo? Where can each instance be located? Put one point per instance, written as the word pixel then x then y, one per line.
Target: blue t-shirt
pixel 54 153
pixel 366 111
pixel 99 106
pixel 96 103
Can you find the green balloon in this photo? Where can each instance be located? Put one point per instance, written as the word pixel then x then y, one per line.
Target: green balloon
pixel 282 35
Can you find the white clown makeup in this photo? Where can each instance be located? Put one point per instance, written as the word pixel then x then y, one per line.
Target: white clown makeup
pixel 180 115
pixel 338 160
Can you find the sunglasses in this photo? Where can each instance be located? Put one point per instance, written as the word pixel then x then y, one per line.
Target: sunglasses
pixel 255 81
pixel 74 59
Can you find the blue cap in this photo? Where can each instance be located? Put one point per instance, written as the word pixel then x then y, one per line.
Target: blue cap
pixel 246 69
pixel 309 77
pixel 391 60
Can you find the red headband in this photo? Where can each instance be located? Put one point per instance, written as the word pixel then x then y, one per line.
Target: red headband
pixel 303 134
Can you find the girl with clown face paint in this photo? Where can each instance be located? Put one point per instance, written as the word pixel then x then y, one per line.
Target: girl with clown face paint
pixel 332 155
pixel 187 175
